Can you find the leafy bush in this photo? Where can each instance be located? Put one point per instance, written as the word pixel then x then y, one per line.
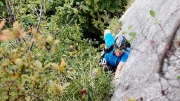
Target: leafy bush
pixel 115 26
pixel 44 55
pixel 49 72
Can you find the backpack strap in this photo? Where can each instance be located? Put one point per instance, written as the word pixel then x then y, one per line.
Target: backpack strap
pixel 107 50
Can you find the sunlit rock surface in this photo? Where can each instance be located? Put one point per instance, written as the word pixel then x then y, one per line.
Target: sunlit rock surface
pixel 139 79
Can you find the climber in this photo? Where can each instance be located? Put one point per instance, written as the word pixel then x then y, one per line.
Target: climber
pixel 117 52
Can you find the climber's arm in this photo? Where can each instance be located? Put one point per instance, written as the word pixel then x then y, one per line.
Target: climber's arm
pixel 121 63
pixel 119 67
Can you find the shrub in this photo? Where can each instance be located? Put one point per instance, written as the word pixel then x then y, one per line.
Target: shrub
pixel 49 71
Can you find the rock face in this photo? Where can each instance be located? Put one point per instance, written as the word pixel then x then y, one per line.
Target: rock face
pixel 139 79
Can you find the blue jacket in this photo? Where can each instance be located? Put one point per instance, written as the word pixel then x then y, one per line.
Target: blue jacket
pixel 110 57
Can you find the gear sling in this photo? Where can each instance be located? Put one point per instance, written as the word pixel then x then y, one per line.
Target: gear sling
pixel 103 63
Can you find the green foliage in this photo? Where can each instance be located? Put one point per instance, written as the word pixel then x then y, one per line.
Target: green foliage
pixel 132 34
pixel 44 74
pixel 1 4
pixel 178 77
pixel 50 73
pixel 2 12
pixel 87 13
pixel 60 65
pixel 153 14
pixel 24 73
pixel 115 25
pixel 129 2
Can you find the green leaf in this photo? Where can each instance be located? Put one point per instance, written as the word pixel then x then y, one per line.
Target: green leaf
pixel 49 76
pixel 133 34
pixel 66 84
pixel 85 8
pixel 1 55
pixel 96 1
pixel 25 77
pixel 4 98
pixel 130 27
pixel 18 61
pixel 124 32
pixel 5 62
pixel 13 67
pixel 2 90
pixel 23 68
pixel 61 88
pixel 21 81
pixel 1 3
pixel 178 77
pixel 152 13
pixel 67 5
pixel 77 3
pixel 155 22
pixel 55 65
pixel 3 71
pixel 75 10
pixel 13 92
pixel 28 98
pixel 37 64
pixel 88 2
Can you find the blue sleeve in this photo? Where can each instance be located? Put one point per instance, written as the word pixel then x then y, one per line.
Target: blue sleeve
pixel 109 40
pixel 124 57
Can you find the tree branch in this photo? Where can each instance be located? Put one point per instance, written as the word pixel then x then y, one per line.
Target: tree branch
pixel 38 25
pixel 66 25
pixel 9 11
pixel 13 13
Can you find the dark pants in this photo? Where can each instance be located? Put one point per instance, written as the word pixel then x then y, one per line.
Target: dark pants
pixel 110 68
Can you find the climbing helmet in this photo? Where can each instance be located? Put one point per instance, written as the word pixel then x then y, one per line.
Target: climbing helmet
pixel 121 43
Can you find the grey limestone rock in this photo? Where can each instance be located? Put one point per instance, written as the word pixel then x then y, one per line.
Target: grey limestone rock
pixel 139 79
